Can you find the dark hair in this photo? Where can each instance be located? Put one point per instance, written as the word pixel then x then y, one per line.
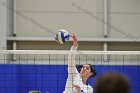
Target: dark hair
pixel 92 70
pixel 112 83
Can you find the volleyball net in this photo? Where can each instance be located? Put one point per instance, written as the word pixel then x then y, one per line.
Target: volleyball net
pixel 46 70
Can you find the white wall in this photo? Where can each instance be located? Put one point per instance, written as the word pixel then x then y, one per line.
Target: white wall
pixel 3 24
pixel 84 18
pixel 54 14
pixel 125 15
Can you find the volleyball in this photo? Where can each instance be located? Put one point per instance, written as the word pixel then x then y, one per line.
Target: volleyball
pixel 62 36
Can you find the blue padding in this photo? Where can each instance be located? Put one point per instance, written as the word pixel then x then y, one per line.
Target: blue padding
pixel 8 77
pixel 52 78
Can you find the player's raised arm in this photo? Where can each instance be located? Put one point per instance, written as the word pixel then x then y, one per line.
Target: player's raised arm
pixel 71 58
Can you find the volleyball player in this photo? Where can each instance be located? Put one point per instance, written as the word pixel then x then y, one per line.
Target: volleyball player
pixel 77 81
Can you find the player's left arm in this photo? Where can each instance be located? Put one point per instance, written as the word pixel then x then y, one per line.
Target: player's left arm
pixel 77 87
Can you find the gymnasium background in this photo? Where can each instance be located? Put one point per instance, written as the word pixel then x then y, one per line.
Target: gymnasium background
pixel 100 25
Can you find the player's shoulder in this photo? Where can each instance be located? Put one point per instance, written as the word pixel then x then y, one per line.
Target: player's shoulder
pixel 89 86
pixel 90 89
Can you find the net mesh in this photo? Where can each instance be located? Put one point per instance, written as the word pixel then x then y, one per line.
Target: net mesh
pixel 46 71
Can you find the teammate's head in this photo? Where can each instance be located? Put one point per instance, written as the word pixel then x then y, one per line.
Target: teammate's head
pixel 34 91
pixel 87 70
pixel 112 83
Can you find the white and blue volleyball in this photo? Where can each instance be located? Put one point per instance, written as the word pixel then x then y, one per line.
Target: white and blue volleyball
pixel 62 36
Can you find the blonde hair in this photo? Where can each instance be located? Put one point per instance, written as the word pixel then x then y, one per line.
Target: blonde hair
pixel 34 91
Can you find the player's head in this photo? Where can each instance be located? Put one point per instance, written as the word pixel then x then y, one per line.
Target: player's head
pixel 112 83
pixel 88 71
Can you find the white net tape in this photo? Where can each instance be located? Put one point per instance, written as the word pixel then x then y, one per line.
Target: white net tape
pixel 61 56
pixel 66 52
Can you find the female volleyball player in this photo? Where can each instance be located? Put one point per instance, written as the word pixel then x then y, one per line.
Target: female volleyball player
pixel 76 82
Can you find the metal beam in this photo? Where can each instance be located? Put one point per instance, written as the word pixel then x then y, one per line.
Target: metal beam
pixel 105 27
pixel 79 39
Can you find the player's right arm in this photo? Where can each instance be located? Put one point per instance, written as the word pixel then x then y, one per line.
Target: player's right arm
pixel 71 58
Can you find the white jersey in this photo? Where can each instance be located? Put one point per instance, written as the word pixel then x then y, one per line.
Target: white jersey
pixel 74 77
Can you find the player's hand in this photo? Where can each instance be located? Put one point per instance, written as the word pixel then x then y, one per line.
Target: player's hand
pixel 77 87
pixel 74 39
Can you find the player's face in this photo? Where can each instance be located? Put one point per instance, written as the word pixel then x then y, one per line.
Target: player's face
pixel 85 70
